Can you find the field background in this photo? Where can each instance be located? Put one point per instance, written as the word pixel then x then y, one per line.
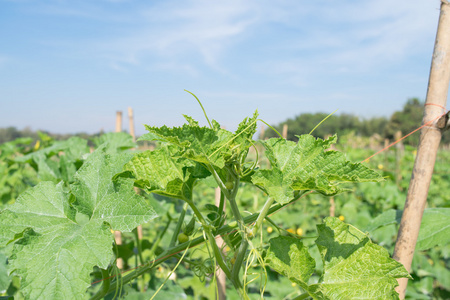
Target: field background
pixel 360 207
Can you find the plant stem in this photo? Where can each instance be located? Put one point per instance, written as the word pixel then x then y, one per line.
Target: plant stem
pixel 219 181
pixel 263 213
pixel 160 236
pixel 106 283
pixel 176 249
pixel 138 246
pixel 211 239
pixel 178 227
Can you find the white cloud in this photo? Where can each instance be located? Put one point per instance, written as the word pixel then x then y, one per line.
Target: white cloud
pixel 173 31
pixel 353 37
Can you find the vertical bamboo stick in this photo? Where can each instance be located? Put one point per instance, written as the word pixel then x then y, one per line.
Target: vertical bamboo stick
pixel 119 121
pixel 430 137
pixel 285 131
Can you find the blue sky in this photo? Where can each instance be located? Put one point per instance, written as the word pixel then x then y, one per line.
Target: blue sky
pixel 68 66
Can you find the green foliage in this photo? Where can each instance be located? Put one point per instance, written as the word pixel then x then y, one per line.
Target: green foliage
pixel 434 229
pixel 58 240
pixel 307 166
pixel 58 232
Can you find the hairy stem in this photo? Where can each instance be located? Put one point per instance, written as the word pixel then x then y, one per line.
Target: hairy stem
pixel 178 227
pixel 106 284
pixel 262 214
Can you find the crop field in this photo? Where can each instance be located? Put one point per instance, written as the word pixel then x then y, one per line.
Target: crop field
pixel 297 220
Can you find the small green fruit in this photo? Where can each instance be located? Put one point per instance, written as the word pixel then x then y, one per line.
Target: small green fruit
pixel 229 185
pixel 183 238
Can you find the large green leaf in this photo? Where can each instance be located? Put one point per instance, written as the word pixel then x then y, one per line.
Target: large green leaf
pixel 56 247
pixel 288 256
pixel 354 267
pixel 307 165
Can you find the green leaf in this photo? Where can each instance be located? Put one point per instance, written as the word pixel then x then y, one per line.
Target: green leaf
pixel 93 181
pixel 307 165
pixel 55 247
pixel 242 139
pixel 289 257
pixel 388 217
pixel 354 267
pixel 162 172
pixel 434 229
pixel 70 154
pixel 200 144
pixel 5 280
pixel 54 255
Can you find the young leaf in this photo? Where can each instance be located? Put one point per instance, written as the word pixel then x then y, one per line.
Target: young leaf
pixel 162 172
pixel 289 257
pixel 354 267
pixel 307 165
pixel 200 144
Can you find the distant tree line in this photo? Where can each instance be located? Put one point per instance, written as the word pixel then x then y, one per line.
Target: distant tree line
pixel 404 121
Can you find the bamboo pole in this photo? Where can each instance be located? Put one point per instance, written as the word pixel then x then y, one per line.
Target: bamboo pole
pixel 430 137
pixel 285 131
pixel 118 121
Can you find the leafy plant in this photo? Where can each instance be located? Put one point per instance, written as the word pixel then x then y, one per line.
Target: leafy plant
pixel 61 229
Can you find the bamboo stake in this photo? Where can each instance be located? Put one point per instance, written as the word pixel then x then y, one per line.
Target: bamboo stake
pixel 119 121
pixel 430 137
pixel 285 131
